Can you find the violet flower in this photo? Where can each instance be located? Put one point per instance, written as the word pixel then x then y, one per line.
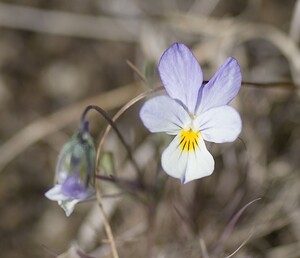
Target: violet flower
pixel 193 112
pixel 74 172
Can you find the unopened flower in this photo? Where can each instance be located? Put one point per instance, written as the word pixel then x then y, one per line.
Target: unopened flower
pixel 193 112
pixel 74 172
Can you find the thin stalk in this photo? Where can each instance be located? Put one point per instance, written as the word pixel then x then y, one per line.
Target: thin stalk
pixel 220 243
pixel 136 70
pixel 119 114
pixel 113 125
pixel 107 226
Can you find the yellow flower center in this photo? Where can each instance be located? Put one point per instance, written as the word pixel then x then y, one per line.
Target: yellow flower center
pixel 189 140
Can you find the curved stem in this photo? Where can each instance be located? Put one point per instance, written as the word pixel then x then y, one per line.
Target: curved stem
pixel 120 113
pixel 83 128
pixel 113 125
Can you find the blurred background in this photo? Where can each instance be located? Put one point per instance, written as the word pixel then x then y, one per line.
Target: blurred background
pixel 58 56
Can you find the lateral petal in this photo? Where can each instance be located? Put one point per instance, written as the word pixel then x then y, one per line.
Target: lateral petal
pixel 181 75
pixel 219 125
pixel 68 203
pixel 55 194
pixel 163 114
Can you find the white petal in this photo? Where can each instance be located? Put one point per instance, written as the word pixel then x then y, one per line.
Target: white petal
pixel 187 165
pixel 181 75
pixel 173 161
pixel 222 124
pixel 55 194
pixel 68 206
pixel 163 114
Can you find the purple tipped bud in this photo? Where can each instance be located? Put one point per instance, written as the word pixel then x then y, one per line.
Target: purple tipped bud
pixel 74 178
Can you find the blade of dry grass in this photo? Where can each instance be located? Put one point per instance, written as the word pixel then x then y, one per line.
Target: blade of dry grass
pixel 68 24
pixel 241 246
pixel 106 223
pixel 229 228
pixel 295 23
pixel 203 248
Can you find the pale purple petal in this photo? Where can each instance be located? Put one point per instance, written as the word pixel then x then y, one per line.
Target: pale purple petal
pixel 221 88
pixel 181 75
pixel 163 114
pixel 185 165
pixel 68 202
pixel 221 124
pixel 55 194
pixel 72 187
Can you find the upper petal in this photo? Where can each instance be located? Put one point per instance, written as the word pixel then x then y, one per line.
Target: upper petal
pixel 181 75
pixel 187 165
pixel 163 114
pixel 222 87
pixel 221 124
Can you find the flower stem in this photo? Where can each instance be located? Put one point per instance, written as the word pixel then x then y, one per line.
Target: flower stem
pixel 83 128
pixel 107 226
pixel 113 125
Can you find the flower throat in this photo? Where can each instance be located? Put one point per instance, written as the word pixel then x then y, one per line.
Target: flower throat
pixel 189 140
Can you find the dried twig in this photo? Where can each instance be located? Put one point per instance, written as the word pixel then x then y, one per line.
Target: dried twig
pixel 136 70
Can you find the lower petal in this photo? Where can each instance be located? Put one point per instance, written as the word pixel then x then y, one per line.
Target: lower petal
pixel 68 206
pixel 187 165
pixel 67 203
